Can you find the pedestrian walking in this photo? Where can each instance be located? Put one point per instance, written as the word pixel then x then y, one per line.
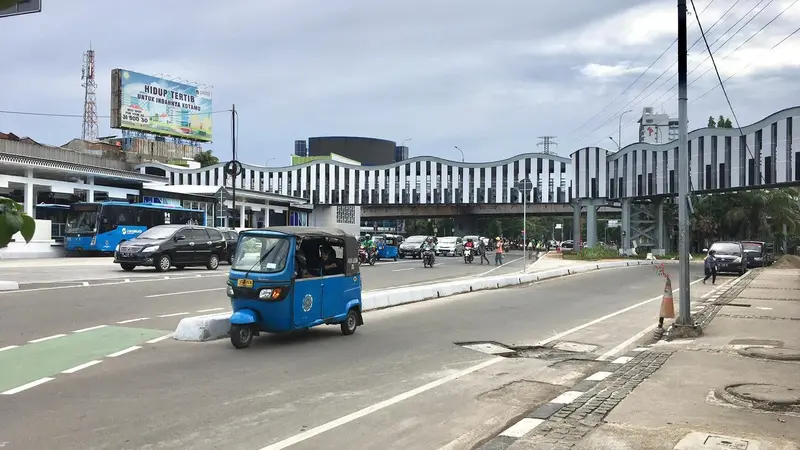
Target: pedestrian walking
pixel 482 250
pixel 498 253
pixel 710 264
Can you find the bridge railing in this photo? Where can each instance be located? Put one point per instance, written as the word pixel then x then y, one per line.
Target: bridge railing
pixel 60 155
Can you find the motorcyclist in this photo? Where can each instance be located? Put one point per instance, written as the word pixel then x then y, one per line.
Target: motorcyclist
pixel 470 245
pixel 368 243
pixel 430 245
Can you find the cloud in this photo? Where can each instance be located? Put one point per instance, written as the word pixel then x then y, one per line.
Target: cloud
pixel 486 76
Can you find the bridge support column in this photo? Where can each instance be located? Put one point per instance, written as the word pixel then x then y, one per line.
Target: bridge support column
pixel 467 226
pixel 576 224
pixel 661 243
pixel 591 225
pixel 625 226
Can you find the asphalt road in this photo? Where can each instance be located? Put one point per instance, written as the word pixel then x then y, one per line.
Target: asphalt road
pixel 304 390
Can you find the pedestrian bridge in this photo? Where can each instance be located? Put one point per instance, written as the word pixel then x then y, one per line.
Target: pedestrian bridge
pixel 760 155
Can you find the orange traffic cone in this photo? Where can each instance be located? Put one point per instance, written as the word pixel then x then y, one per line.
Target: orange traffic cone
pixel 667 303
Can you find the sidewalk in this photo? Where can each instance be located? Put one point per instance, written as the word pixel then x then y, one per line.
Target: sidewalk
pixel 736 388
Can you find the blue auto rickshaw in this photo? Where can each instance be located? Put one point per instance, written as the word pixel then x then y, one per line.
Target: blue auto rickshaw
pixel 387 248
pixel 290 278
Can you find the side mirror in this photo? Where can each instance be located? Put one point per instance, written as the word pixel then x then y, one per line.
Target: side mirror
pixel 705 250
pixel 180 237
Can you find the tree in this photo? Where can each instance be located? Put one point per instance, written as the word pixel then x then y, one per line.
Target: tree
pixel 206 158
pixel 723 122
pixel 711 123
pixel 728 123
pixel 13 220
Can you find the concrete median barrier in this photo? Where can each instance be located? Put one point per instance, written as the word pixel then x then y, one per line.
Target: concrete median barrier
pixel 8 285
pixel 216 326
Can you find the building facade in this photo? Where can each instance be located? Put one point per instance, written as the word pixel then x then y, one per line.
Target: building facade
pixel 368 151
pixel 657 128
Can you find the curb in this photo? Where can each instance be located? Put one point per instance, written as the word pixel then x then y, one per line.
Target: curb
pixel 9 286
pixel 215 326
pixel 567 418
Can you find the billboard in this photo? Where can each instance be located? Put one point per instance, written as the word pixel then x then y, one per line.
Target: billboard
pixel 154 105
pixel 18 7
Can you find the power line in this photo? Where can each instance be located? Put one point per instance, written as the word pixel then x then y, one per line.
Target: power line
pixel 668 92
pixel 80 116
pixel 748 64
pixel 644 72
pixel 632 101
pixel 725 91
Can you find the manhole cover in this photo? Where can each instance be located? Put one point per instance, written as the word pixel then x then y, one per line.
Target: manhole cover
pixel 778 354
pixel 575 347
pixel 767 394
pixel 705 441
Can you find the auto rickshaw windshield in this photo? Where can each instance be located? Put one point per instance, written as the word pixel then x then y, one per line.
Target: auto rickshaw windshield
pixel 265 254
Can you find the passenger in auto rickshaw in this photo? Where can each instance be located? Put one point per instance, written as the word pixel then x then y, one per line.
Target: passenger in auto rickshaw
pixel 328 263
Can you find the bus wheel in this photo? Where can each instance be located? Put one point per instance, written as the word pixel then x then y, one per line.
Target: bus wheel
pixel 163 263
pixel 127 267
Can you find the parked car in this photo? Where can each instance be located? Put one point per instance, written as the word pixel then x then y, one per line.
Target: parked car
pixel 757 254
pixel 231 241
pixel 568 246
pixel 412 246
pixel 167 246
pixel 450 246
pixel 730 257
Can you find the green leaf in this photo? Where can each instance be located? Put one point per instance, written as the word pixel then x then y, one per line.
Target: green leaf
pixel 5 233
pixel 28 227
pixel 12 221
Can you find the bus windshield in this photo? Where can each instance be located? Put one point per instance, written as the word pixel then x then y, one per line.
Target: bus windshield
pixel 82 219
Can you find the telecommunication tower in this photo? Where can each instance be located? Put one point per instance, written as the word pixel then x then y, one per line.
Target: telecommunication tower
pixel 546 142
pixel 90 132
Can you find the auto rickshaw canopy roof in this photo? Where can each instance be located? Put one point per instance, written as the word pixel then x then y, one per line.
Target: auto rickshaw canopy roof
pixel 351 266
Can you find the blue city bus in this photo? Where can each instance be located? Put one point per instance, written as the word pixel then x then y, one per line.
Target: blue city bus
pixel 100 227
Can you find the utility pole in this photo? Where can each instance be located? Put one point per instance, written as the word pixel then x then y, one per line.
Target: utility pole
pixel 546 142
pixel 684 291
pixel 235 161
pixel 525 186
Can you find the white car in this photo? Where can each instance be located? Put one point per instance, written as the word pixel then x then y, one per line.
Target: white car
pixel 450 246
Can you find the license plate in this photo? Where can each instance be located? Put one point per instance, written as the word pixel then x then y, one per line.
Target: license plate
pixel 127 255
pixel 244 283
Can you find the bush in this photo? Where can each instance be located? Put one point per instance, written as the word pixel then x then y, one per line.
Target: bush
pixel 592 254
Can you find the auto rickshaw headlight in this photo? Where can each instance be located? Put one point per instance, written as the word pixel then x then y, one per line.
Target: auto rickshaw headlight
pixel 229 291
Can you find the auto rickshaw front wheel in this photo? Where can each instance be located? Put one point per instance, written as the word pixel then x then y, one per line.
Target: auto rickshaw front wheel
pixel 350 323
pixel 241 336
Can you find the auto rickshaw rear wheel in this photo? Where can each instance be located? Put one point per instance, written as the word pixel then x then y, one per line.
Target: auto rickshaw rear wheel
pixel 241 336
pixel 350 323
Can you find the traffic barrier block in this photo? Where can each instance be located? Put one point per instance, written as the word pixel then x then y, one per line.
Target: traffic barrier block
pixel 203 328
pixel 9 285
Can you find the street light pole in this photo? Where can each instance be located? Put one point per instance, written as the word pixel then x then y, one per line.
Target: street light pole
pixel 684 291
pixel 459 150
pixel 615 143
pixel 524 186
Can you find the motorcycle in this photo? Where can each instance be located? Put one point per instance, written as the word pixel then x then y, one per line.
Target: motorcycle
pixel 365 256
pixel 468 258
pixel 427 258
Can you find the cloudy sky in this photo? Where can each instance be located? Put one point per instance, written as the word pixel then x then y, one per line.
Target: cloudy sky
pixel 488 77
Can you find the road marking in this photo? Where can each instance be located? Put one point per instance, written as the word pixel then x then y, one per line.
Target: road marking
pixel 25 387
pixel 159 339
pixel 82 366
pixel 604 318
pixel 86 283
pixel 209 310
pixel 621 347
pixel 122 352
pixel 622 360
pixel 175 314
pixel 113 283
pixel 8 347
pixel 55 336
pixel 640 349
pixel 90 328
pixel 184 292
pixel 599 376
pixel 403 270
pixel 300 437
pixel 522 427
pixel 504 265
pixel 567 397
pixel 133 320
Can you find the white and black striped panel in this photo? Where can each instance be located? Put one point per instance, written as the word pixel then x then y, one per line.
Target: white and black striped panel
pixel 763 154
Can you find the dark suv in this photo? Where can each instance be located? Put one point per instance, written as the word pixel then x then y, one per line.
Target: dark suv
pixel 231 241
pixel 167 246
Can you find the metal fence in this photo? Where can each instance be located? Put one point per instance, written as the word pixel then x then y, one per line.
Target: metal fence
pixel 60 155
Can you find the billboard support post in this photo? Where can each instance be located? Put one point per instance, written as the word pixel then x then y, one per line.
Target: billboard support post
pixel 235 161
